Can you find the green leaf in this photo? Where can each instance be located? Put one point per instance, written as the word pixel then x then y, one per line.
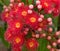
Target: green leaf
pixel 43 43
pixel 55 21
pixel 2 30
pixel 24 1
pixel 30 1
pixel 6 2
pixel 1 8
pixel 1 3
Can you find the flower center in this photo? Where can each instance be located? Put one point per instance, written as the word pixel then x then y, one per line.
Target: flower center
pixel 32 19
pixel 7 14
pixel 17 40
pixel 46 4
pixel 18 25
pixel 24 13
pixel 31 44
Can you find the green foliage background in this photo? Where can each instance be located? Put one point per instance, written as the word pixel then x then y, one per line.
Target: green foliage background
pixel 43 42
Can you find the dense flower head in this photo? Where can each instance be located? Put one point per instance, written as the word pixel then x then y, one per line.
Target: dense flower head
pixel 15 25
pixel 5 16
pixel 18 40
pixel 32 20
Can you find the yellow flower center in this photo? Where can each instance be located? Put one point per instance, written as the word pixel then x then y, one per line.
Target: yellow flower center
pixel 31 44
pixel 24 13
pixel 17 40
pixel 32 19
pixel 18 25
pixel 7 14
pixel 46 4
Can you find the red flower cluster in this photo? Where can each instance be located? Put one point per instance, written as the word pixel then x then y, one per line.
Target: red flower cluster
pixel 19 20
pixel 23 19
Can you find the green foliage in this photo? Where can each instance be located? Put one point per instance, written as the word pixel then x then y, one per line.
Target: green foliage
pixel 2 30
pixel 43 44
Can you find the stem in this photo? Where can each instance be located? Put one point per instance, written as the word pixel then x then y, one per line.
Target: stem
pixel 59 22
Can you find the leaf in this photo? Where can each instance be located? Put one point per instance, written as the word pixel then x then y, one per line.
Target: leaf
pixel 43 43
pixel 30 1
pixel 24 1
pixel 1 8
pixel 6 2
pixel 1 3
pixel 2 30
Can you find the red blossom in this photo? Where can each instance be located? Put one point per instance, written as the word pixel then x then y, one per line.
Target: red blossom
pixel 32 20
pixel 5 16
pixel 31 43
pixel 8 35
pixel 18 40
pixel 46 3
pixel 22 19
pixel 15 25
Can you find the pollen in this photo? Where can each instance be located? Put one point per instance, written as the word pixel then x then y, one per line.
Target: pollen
pixel 7 14
pixel 24 13
pixel 31 44
pixel 46 4
pixel 17 40
pixel 17 25
pixel 33 19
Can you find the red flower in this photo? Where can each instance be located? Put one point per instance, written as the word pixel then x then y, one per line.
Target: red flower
pixel 32 20
pixel 31 44
pixel 8 35
pixel 18 39
pixel 23 12
pixel 5 16
pixel 46 3
pixel 18 11
pixel 15 25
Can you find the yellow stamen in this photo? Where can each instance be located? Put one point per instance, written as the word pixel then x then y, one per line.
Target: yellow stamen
pixel 17 40
pixel 17 25
pixel 46 4
pixel 7 14
pixel 31 44
pixel 24 13
pixel 32 19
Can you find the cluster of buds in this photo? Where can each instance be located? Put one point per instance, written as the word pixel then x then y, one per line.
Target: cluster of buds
pixel 25 26
pixel 54 42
